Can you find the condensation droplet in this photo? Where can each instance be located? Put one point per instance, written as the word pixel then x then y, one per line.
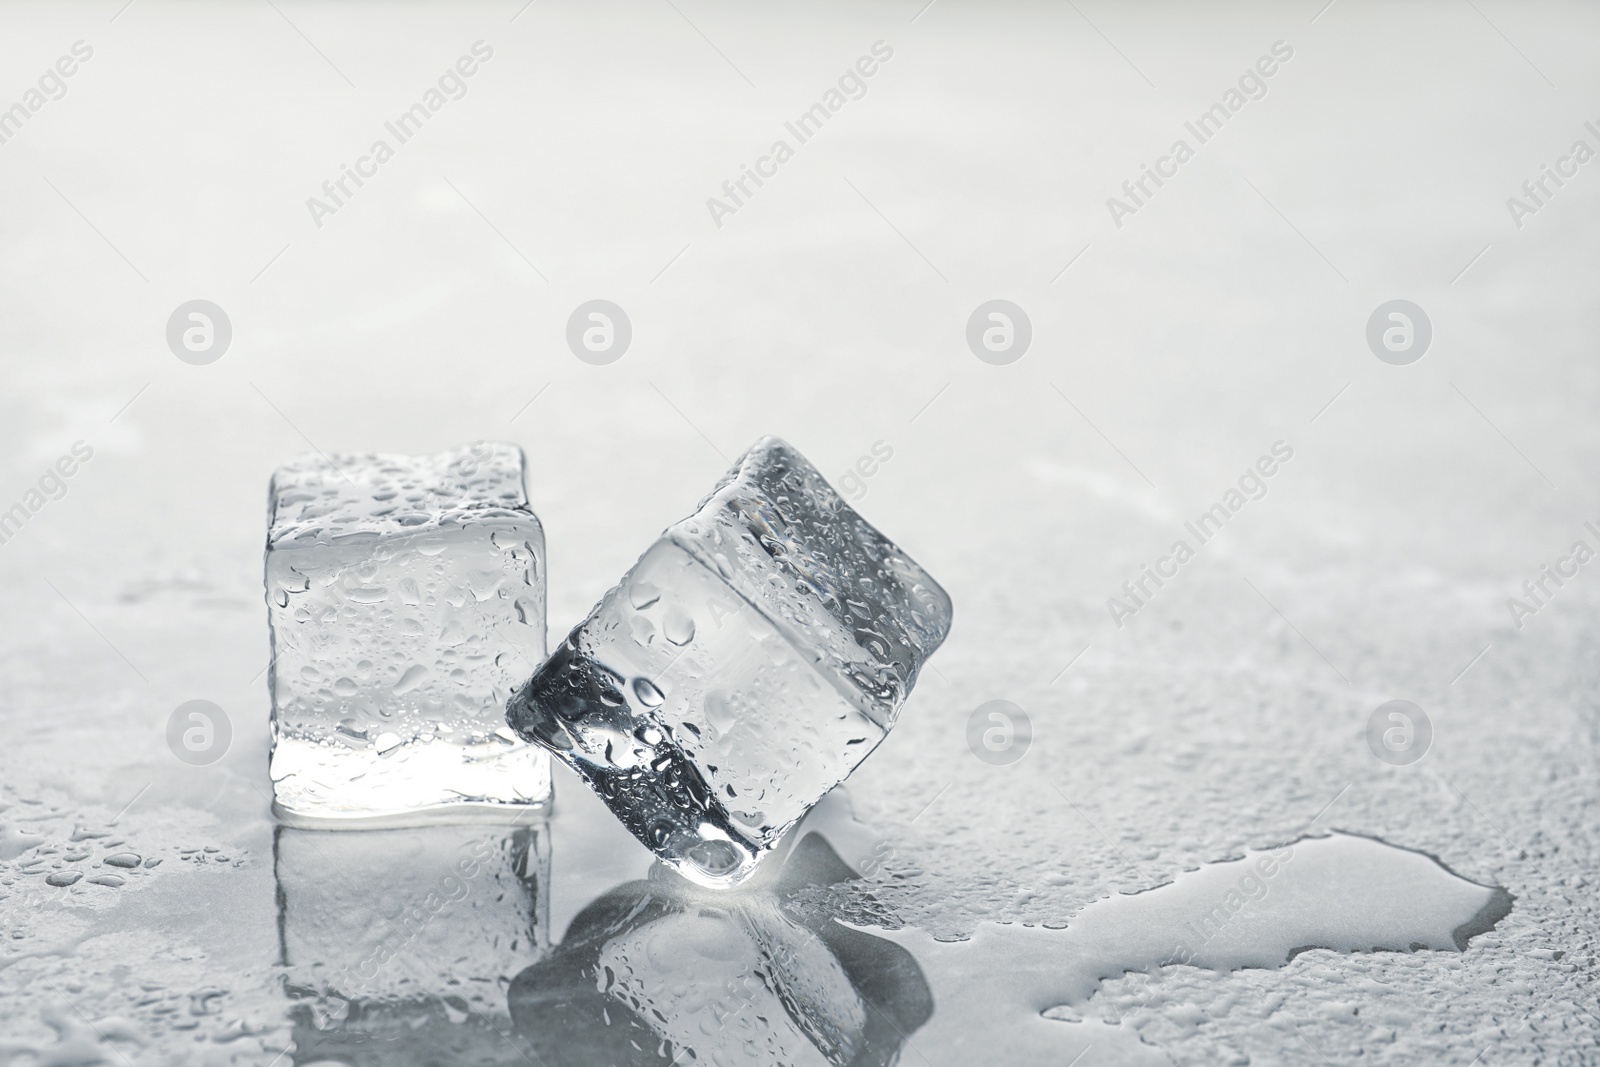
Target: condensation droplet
pixel 678 627
pixel 719 711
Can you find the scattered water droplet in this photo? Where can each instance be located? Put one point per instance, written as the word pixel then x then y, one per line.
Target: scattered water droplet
pixel 648 694
pixel 14 842
pixel 351 730
pixel 410 679
pixel 527 611
pixel 719 711
pixel 678 626
pixel 62 878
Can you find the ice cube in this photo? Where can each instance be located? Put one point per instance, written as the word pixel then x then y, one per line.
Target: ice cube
pixel 746 664
pixel 406 597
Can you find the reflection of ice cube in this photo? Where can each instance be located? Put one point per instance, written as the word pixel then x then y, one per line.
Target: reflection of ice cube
pixel 406 596
pixel 751 658
pixel 658 973
pixel 686 969
pixel 388 934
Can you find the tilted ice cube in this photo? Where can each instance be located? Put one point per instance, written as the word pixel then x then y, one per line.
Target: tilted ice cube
pixel 406 597
pixel 751 658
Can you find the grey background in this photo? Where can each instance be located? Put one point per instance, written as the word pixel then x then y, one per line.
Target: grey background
pixel 1167 355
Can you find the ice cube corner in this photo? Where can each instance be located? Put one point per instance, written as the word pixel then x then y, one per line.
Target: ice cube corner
pixel 406 597
pixel 750 659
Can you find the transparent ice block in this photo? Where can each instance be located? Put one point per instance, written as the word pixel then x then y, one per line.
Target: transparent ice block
pixel 406 597
pixel 746 664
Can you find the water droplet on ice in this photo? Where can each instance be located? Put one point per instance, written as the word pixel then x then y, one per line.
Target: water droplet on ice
pixel 719 711
pixel 678 626
pixel 642 594
pixel 62 878
pixel 386 742
pixel 648 694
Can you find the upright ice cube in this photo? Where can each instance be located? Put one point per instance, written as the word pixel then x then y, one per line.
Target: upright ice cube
pixel 406 596
pixel 751 658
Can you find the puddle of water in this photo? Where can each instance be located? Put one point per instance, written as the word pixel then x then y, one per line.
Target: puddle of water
pixel 1342 892
pixel 562 944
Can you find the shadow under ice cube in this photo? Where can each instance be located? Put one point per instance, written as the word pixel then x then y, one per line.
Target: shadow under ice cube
pixel 406 596
pixel 746 664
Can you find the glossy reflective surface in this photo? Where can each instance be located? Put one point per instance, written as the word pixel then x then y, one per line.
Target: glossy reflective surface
pixel 1219 331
